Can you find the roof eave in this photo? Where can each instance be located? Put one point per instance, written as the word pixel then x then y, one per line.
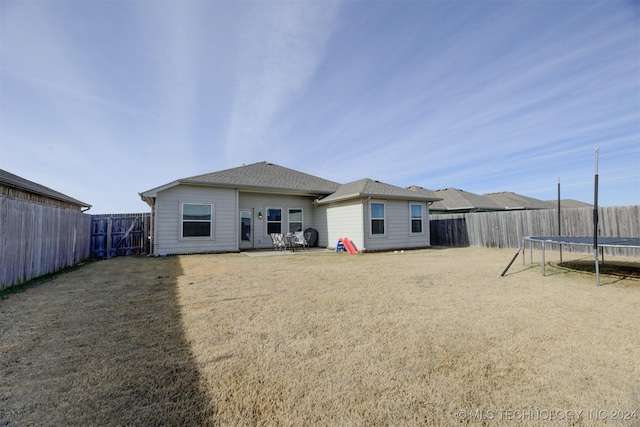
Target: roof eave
pixel 254 188
pixel 330 199
pixel 149 200
pixel 78 203
pixel 377 196
pixel 154 191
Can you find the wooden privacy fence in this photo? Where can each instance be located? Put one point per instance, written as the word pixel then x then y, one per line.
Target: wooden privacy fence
pixel 506 229
pixel 119 234
pixel 38 239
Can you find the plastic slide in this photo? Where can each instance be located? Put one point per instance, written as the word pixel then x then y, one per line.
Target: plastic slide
pixel 351 249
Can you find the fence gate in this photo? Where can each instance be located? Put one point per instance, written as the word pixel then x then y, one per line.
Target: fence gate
pixel 119 234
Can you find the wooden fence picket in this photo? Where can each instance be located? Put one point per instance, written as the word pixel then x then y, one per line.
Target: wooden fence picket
pixel 39 239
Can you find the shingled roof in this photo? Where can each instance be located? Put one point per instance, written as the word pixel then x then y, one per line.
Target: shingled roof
pixel 455 200
pixel 259 176
pixel 371 188
pixel 512 201
pixel 14 181
pixel 567 204
pixel 424 192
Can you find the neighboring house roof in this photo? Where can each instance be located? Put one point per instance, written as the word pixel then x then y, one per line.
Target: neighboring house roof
pixel 10 180
pixel 512 201
pixel 567 203
pixel 455 200
pixel 263 176
pixel 370 188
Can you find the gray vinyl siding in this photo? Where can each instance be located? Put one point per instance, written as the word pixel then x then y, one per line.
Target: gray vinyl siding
pixel 397 227
pixel 332 221
pixel 320 225
pixel 345 219
pixel 168 227
pixel 260 202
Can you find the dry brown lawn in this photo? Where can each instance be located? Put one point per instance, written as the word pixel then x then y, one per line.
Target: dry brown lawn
pixel 428 337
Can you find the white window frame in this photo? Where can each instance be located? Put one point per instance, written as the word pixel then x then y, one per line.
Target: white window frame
pixel 266 219
pixel 412 218
pixel 210 221
pixel 383 218
pixel 289 222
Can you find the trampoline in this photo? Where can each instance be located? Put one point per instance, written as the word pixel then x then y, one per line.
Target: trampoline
pixel 595 241
pixel 602 242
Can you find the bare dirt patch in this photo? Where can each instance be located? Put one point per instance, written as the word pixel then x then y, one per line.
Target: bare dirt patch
pixel 420 337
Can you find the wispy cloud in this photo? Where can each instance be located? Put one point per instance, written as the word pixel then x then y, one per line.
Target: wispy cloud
pixel 501 101
pixel 279 50
pixel 488 96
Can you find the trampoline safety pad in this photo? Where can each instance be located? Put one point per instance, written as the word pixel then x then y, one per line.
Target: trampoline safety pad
pixel 612 242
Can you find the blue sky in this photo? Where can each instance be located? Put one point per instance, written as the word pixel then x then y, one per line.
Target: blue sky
pixel 102 100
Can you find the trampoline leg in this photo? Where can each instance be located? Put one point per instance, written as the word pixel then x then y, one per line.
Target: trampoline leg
pixel 512 259
pixel 543 258
pixel 560 253
pixel 595 255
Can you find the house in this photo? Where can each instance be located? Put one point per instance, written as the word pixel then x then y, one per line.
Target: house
pixel 17 188
pixel 237 209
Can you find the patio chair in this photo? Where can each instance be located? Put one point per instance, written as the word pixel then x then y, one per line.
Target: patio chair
pixel 301 240
pixel 307 239
pixel 277 240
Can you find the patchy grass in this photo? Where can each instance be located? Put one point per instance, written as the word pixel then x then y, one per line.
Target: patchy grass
pixel 430 337
pixel 101 345
pixel 37 281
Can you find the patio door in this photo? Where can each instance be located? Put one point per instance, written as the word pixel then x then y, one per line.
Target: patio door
pixel 246 228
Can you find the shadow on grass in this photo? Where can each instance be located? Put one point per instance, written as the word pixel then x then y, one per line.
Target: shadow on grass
pixel 612 268
pixel 101 345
